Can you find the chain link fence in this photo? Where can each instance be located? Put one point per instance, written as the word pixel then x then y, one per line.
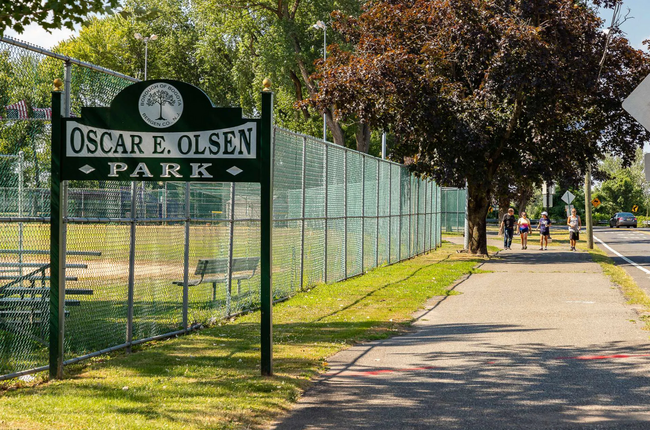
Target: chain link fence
pixel 453 209
pixel 337 214
pixel 26 76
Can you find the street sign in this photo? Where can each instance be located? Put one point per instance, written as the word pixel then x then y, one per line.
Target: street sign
pixel 595 202
pixel 636 104
pixel 635 208
pixel 568 197
pixel 547 195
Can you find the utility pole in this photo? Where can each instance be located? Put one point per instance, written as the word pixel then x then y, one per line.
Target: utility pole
pixel 589 223
pixel 615 24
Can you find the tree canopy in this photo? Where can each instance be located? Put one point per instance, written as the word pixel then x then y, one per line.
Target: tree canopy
pixel 486 91
pixel 49 14
pixel 226 48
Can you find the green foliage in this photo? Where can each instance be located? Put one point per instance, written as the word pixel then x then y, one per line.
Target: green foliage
pixel 625 188
pixel 224 48
pixel 485 91
pixel 49 14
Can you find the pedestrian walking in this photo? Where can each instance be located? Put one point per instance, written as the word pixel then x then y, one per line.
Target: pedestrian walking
pixel 524 228
pixel 574 228
pixel 544 228
pixel 508 227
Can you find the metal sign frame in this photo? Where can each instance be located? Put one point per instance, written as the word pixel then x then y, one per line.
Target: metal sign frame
pixel 160 130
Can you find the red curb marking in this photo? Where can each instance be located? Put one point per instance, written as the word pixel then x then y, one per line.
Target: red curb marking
pixel 381 371
pixel 601 357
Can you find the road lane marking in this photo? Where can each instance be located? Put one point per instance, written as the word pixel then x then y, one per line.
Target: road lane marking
pixel 380 371
pixel 602 357
pixel 641 268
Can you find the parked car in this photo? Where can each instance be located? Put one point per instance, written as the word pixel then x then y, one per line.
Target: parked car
pixel 622 218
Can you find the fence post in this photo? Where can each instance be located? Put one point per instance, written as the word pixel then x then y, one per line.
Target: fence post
pixel 345 214
pixel 390 210
pixel 21 178
pixel 426 216
pixel 266 234
pixel 399 228
pixel 466 224
pixel 326 210
pixel 302 212
pixel 186 257
pixel 377 217
pixel 231 223
pixel 56 247
pixel 363 210
pixel 439 231
pixel 131 288
pixel 417 217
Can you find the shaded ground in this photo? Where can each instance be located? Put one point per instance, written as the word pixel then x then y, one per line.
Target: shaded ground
pixel 543 342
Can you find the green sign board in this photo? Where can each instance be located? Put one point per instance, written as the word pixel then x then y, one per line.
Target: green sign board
pixel 161 131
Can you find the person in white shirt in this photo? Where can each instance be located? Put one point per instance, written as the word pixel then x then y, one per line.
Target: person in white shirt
pixel 574 228
pixel 524 227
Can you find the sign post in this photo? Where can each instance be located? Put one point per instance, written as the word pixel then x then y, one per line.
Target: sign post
pixel 160 131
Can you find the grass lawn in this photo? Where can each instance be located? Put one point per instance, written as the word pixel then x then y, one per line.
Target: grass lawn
pixel 633 293
pixel 211 379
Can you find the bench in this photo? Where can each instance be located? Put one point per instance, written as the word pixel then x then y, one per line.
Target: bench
pixel 215 271
pixel 25 298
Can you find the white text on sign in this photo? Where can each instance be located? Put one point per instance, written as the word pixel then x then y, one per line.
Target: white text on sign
pixel 85 141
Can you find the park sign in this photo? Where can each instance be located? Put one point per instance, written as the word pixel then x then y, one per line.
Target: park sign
pixel 161 130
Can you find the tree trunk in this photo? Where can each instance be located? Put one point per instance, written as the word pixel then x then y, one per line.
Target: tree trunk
pixel 363 137
pixel 504 205
pixel 525 193
pixel 477 208
pixel 335 127
pixel 297 85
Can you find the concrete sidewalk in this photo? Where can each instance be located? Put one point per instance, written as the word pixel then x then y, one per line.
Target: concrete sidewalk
pixel 543 342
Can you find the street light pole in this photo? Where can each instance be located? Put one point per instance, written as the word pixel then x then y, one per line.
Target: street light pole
pixel 320 25
pixel 146 46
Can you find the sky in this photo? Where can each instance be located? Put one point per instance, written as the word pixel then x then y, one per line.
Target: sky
pixel 637 28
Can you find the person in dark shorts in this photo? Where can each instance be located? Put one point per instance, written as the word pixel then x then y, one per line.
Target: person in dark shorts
pixel 524 230
pixel 544 228
pixel 508 225
pixel 574 228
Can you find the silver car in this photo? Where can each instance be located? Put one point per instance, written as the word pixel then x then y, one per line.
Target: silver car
pixel 622 219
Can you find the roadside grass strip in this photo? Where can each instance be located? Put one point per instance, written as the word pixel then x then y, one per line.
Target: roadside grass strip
pixel 210 379
pixel 632 292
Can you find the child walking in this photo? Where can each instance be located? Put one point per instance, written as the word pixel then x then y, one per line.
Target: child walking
pixel 544 228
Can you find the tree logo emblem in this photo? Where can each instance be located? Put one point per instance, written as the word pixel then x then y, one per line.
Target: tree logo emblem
pixel 160 105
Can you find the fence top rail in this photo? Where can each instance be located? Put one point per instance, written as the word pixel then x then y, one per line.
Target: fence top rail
pixel 334 145
pixel 34 48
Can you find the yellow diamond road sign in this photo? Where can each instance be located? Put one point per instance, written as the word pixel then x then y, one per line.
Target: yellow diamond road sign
pixel 635 208
pixel 595 202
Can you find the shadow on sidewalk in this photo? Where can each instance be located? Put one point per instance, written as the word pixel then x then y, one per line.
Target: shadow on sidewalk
pixel 526 386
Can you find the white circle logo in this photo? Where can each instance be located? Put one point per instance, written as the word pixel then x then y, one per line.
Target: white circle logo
pixel 160 105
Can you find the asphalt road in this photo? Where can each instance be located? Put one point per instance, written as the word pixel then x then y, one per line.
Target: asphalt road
pixel 630 249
